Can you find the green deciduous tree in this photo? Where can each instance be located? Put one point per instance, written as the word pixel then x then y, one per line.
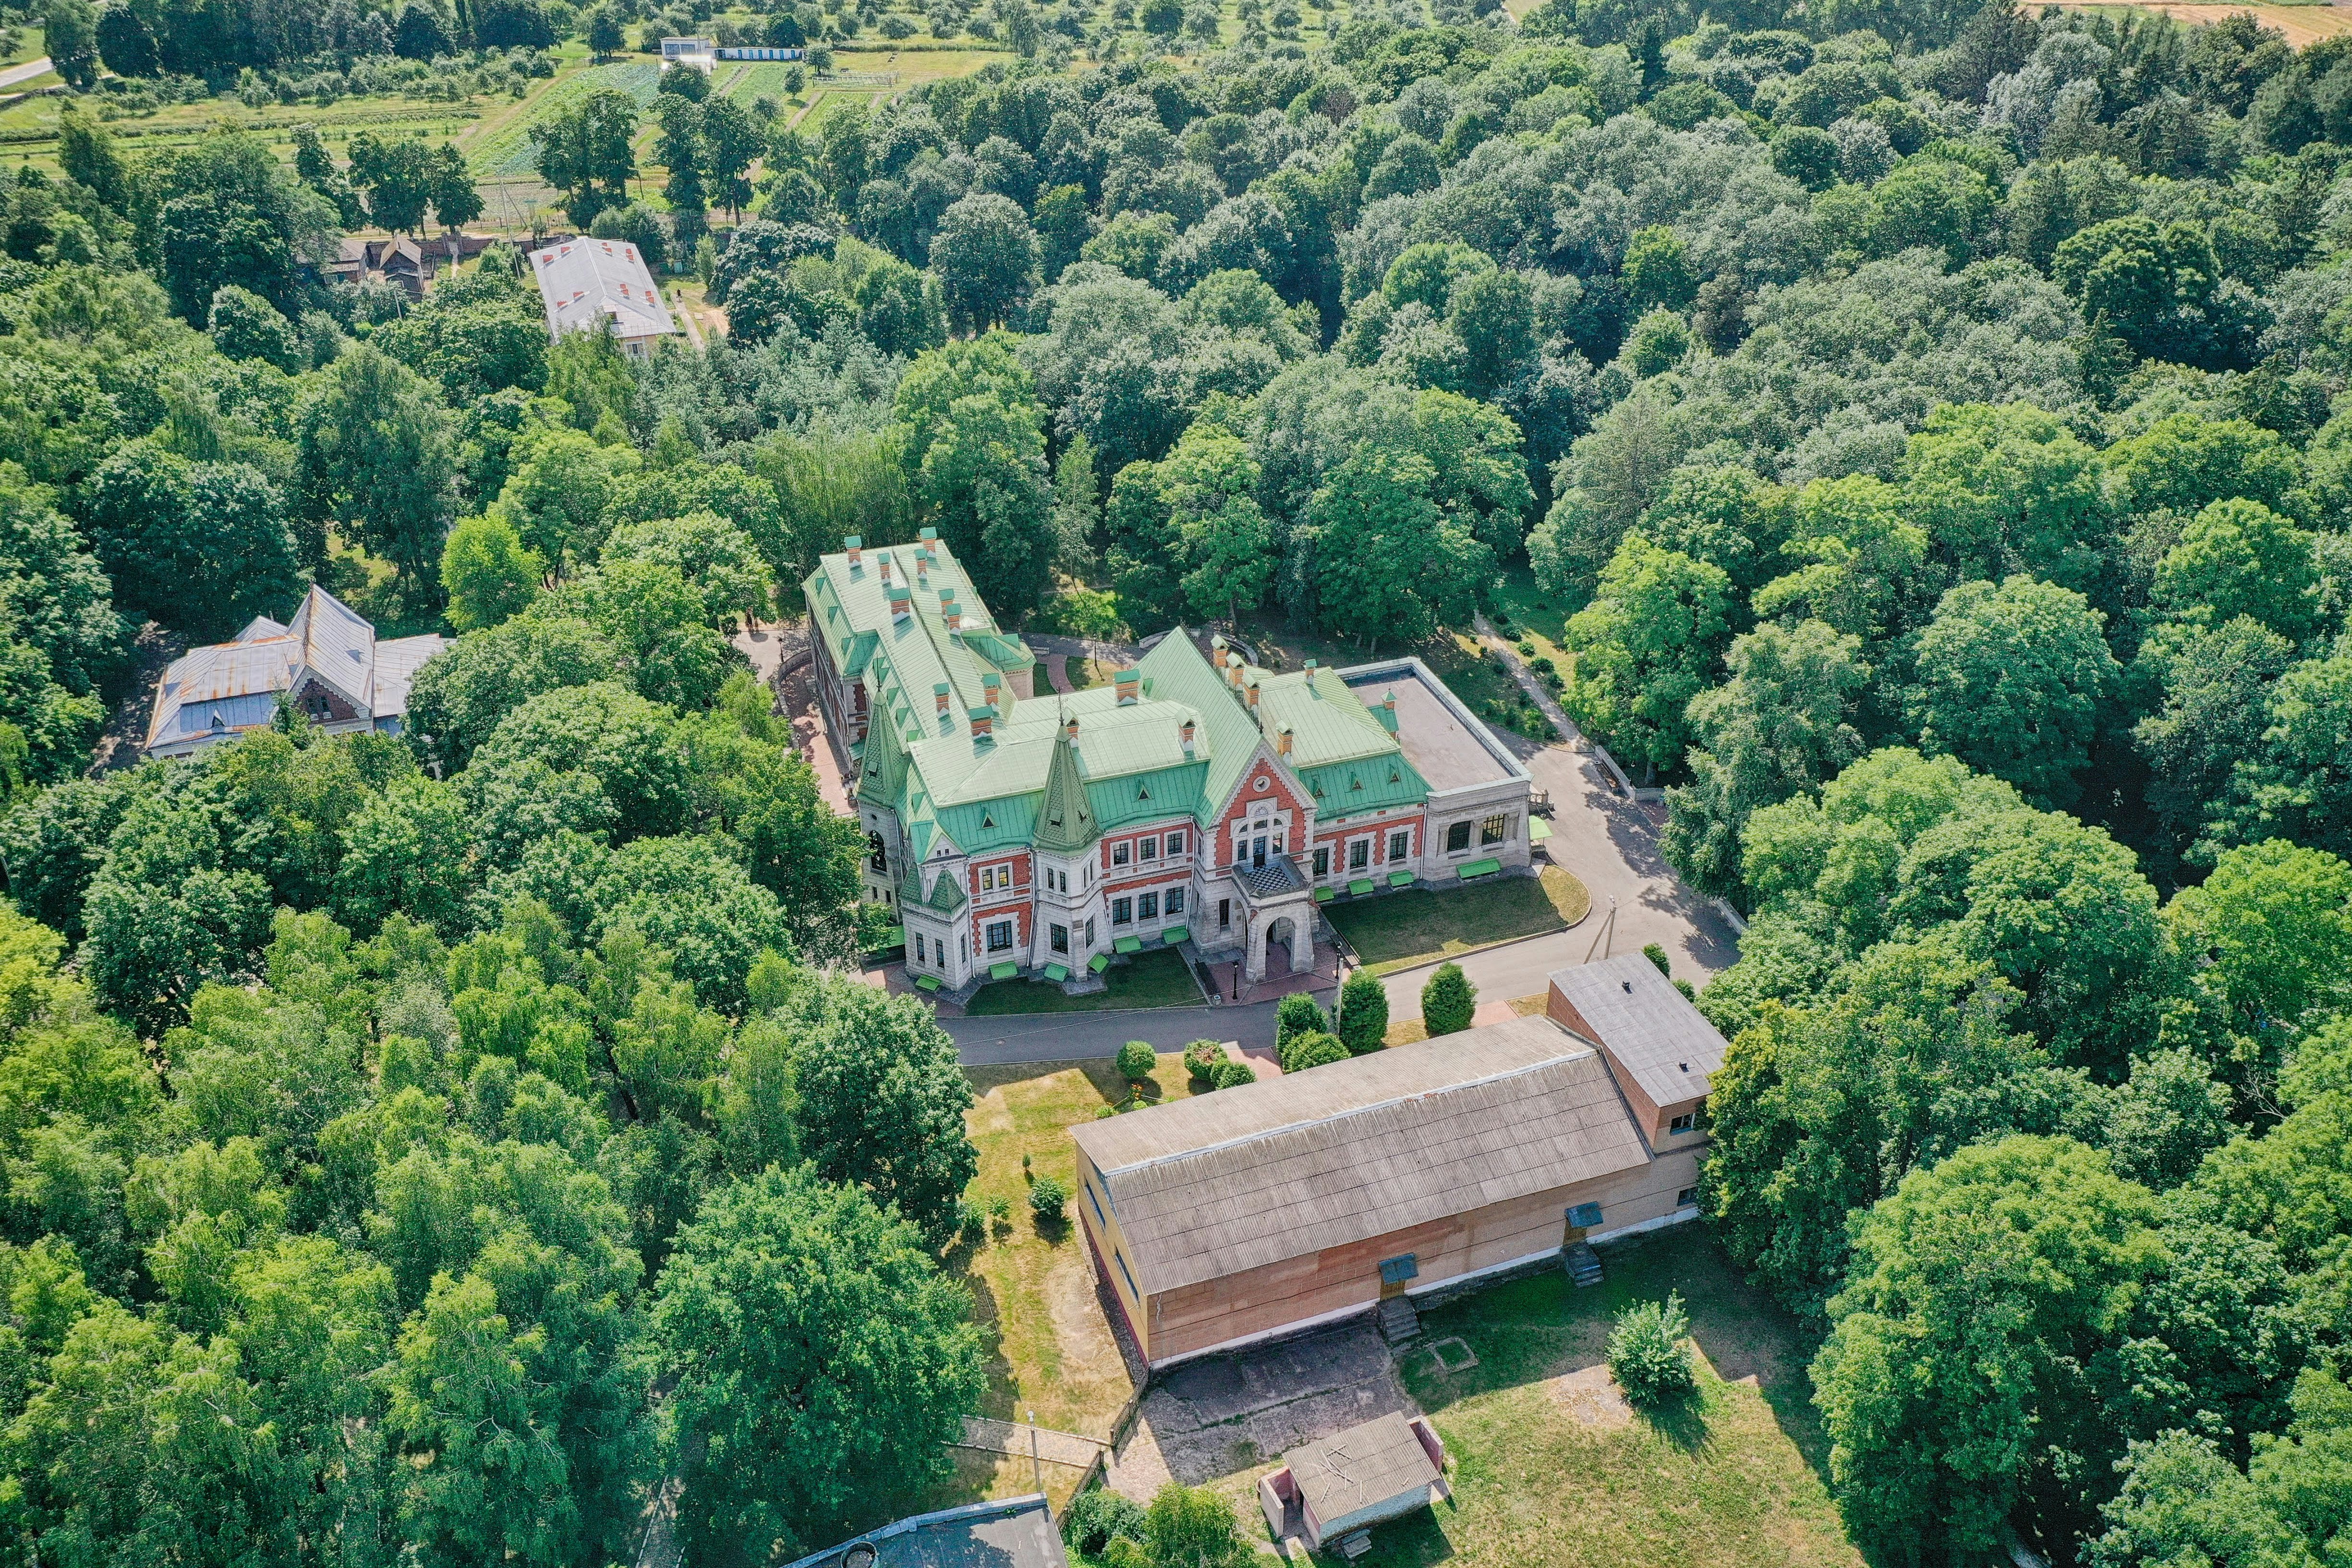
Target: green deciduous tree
pixel 488 571
pixel 1647 644
pixel 822 1366
pixel 585 154
pixel 985 255
pixel 2240 558
pixel 375 458
pixel 1950 1383
pixel 2010 680
pixel 975 453
pixel 882 1105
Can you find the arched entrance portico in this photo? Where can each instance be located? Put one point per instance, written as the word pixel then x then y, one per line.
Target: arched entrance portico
pixel 1287 928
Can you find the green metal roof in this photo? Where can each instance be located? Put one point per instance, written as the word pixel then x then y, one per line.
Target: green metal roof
pixel 1057 973
pixel 1400 878
pixel 1066 820
pixel 1361 885
pixel 1004 970
pixel 1175 934
pixel 927 981
pixel 1127 944
pixel 1099 963
pixel 1486 867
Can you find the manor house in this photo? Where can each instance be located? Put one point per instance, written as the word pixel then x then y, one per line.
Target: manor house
pixel 1196 798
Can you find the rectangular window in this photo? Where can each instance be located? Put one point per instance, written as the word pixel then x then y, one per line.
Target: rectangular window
pixel 1118 854
pixel 1457 838
pixel 1175 844
pixel 1149 849
pixel 1099 1218
pixel 1058 938
pixel 1000 936
pixel 1493 830
pixel 1400 845
pixel 1687 1123
pixel 1323 861
pixel 1359 854
pixel 1090 933
pixel 1122 911
pixel 1224 913
pixel 1123 1274
pixel 919 949
pixel 1175 900
pixel 1687 1198
pixel 1146 906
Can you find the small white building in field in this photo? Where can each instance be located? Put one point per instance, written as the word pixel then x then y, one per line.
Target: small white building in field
pixel 587 283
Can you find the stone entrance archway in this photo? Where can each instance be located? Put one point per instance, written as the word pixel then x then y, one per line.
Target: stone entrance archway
pixel 1290 928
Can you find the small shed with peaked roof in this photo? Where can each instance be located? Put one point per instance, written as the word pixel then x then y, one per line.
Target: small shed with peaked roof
pixel 1379 1470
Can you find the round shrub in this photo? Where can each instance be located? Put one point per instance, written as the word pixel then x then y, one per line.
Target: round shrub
pixel 1046 1198
pixel 1231 1075
pixel 1646 1354
pixel 1448 1002
pixel 1200 1059
pixel 1294 1016
pixel 1098 1516
pixel 1313 1050
pixel 1136 1060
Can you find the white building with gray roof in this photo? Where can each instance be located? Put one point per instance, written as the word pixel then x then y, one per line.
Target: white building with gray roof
pixel 588 284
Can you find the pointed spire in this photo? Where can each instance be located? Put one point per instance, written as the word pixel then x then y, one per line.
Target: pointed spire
pixel 1065 819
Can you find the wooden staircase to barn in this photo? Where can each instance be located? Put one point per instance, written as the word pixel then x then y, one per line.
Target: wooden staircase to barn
pixel 1583 1264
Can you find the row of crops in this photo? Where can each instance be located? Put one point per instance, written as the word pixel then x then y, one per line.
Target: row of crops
pixel 506 154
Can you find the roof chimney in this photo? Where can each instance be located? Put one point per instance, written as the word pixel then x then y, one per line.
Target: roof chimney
pixel 922 572
pixel 989 682
pixel 928 535
pixel 1388 703
pixel 1252 694
pixel 940 695
pixel 1185 733
pixel 954 617
pixel 1070 726
pixel 853 544
pixel 983 724
pixel 1281 738
pixel 1233 670
pixel 1124 684
pixel 902 604
pixel 883 557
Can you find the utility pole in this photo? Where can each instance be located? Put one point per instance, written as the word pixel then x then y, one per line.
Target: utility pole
pixel 1036 1470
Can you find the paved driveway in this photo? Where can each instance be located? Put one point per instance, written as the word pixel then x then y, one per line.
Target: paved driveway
pixel 1081 1037
pixel 1612 844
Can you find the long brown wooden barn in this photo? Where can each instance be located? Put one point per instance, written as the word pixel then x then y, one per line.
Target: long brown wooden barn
pixel 1262 1210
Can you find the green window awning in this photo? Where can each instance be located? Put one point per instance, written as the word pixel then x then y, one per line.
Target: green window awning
pixel 1361 885
pixel 927 982
pixel 1127 944
pixel 1485 868
pixel 1175 934
pixel 1400 878
pixel 1057 973
pixel 1099 963
pixel 1538 829
pixel 1004 971
pixel 1325 895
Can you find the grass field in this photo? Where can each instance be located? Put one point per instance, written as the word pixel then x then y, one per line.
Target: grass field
pixel 1421 925
pixel 1155 978
pixel 1551 1469
pixel 1049 1346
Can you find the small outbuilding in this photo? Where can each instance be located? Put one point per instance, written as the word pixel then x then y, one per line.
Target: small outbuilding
pixel 1331 1489
pixel 1017 1532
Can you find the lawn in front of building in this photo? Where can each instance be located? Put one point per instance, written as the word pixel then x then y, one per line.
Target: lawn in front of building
pixel 1551 1469
pixel 1050 1347
pixel 1421 925
pixel 1156 978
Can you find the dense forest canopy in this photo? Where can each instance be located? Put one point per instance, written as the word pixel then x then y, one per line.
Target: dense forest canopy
pixel 1921 421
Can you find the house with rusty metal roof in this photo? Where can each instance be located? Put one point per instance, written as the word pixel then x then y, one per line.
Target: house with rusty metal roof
pixel 326 663
pixel 599 285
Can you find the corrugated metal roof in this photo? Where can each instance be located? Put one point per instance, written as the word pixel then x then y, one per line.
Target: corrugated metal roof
pixel 584 282
pixel 1360 1471
pixel 238 681
pixel 1017 1532
pixel 1248 1176
pixel 1651 1028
